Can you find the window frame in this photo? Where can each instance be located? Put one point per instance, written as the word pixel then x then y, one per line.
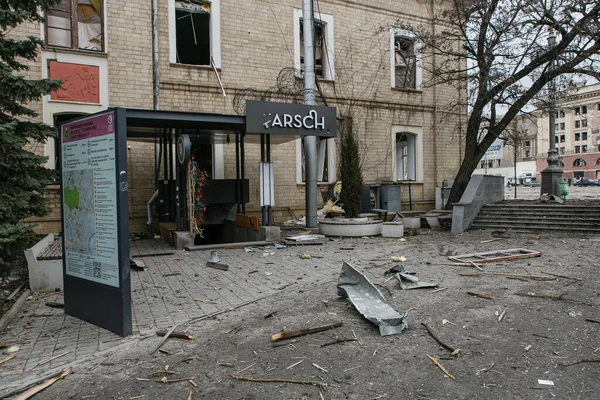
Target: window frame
pixel 74 30
pixel 331 161
pixel 417 133
pixel 215 34
pixel 394 32
pixel 326 20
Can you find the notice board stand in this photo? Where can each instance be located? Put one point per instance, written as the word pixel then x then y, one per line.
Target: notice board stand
pixel 95 225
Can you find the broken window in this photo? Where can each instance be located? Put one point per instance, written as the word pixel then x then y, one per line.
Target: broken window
pixel 584 136
pixel 75 24
pixel 324 147
pixel 192 30
pixel 577 149
pixel 584 148
pixel 406 156
pixel 562 126
pixel 405 63
pixel 319 43
pixel 580 162
pixel 577 136
pixel 577 124
pixel 584 109
pixel 584 123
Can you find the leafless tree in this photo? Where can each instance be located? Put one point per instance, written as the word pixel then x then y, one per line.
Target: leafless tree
pixel 515 138
pixel 507 52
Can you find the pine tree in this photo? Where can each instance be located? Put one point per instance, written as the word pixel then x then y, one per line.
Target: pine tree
pixel 350 170
pixel 22 176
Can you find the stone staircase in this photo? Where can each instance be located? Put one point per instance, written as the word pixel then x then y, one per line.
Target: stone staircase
pixel 551 217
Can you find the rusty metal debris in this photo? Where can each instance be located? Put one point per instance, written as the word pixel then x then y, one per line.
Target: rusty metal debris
pixel 407 280
pixel 369 301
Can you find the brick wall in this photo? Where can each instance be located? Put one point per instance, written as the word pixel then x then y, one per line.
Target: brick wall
pixel 256 43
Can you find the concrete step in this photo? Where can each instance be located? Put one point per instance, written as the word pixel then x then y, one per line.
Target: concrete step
pixel 540 220
pixel 525 213
pixel 537 227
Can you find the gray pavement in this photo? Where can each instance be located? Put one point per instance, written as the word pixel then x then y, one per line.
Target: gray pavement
pixel 533 193
pixel 175 289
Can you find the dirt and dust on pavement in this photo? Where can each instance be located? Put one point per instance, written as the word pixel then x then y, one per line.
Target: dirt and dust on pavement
pixel 534 334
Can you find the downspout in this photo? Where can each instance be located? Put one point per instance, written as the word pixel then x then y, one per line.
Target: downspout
pixel 156 104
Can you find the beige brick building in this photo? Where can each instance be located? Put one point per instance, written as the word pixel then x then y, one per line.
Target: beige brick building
pixel 103 52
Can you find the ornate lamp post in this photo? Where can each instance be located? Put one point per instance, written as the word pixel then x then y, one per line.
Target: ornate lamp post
pixel 552 175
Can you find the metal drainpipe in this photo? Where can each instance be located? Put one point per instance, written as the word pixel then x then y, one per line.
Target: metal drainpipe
pixel 156 103
pixel 310 142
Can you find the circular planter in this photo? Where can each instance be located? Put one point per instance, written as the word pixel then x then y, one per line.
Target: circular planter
pixel 350 227
pixel 392 229
pixel 412 222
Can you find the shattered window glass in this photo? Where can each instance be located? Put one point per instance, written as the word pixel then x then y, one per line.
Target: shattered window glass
pixel 192 19
pixel 322 161
pixel 75 24
pixel 405 62
pixel 319 43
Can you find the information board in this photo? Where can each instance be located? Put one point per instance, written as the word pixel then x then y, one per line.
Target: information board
pixel 90 200
pixel 94 220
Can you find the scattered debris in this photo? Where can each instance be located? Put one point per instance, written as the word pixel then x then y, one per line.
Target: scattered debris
pixel 398 259
pixel 527 348
pixel 407 279
pixel 49 382
pixel 161 372
pixel 29 298
pixel 592 320
pixel 580 362
pixel 270 315
pixel 53 304
pixel 137 265
pixel 164 339
pixel 439 290
pixel 164 351
pixel 490 240
pixel 285 343
pixel 215 262
pixel 445 321
pixel 483 296
pixel 305 331
pixel 555 298
pixel 297 363
pixel 339 341
pixel 175 334
pixel 487 369
pixel 501 317
pixel 455 352
pixel 12 349
pixel 494 256
pixel 165 380
pixel 304 238
pixel 47 360
pixel 545 382
pixel 320 385
pixel 305 256
pixel 440 366
pixel 172 274
pixel 320 368
pixel 369 301
pixel 6 359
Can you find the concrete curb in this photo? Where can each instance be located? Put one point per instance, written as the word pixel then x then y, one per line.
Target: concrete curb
pixel 14 310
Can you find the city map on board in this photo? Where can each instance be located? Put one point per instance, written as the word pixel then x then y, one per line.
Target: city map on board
pixel 80 218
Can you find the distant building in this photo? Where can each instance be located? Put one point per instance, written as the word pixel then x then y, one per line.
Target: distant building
pixel 577 133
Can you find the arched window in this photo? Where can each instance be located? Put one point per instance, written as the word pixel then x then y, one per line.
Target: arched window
pixel 598 161
pixel 580 162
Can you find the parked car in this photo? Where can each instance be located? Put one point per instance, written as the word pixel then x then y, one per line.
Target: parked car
pixel 534 184
pixel 586 182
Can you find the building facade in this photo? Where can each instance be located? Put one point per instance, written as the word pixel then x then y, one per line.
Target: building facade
pixel 577 135
pixel 210 55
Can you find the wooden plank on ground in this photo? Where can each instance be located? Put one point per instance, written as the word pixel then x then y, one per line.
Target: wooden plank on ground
pixel 496 255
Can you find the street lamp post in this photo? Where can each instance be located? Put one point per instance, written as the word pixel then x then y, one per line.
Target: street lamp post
pixel 552 175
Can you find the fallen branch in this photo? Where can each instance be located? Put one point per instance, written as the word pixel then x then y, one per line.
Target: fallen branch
pixel 455 352
pixel 164 339
pixel 175 334
pixel 483 296
pixel 36 389
pixel 305 331
pixel 7 359
pixel 52 358
pixel 161 373
pixel 440 366
pixel 555 298
pixel 561 276
pixel 580 362
pixel 592 320
pixel 339 341
pixel 320 385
